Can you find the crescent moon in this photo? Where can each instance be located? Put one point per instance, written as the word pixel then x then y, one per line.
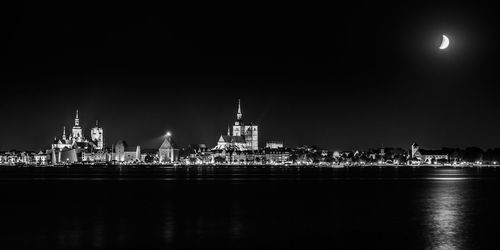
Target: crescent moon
pixel 444 43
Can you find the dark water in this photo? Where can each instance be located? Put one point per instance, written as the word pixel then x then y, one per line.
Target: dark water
pixel 249 208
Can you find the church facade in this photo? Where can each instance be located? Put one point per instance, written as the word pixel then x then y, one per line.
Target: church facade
pixel 244 136
pixel 77 140
pixel 168 153
pixel 426 156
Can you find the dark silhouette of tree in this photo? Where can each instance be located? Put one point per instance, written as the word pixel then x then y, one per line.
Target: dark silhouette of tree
pixel 149 158
pixel 441 161
pixel 492 155
pixel 473 154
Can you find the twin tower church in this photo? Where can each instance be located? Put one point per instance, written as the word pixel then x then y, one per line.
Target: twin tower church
pixel 77 140
pixel 243 137
pixel 76 147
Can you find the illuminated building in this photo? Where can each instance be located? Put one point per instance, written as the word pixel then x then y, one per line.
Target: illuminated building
pixel 427 156
pixel 77 140
pixel 77 134
pixel 123 153
pixel 167 153
pixel 97 136
pixel 274 144
pixel 63 142
pixel 245 136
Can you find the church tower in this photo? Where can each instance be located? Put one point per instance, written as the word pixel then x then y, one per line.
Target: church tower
pixel 168 153
pixel 77 130
pixel 238 127
pixel 239 115
pixel 97 136
pixel 64 134
pixel 249 132
pixel 414 150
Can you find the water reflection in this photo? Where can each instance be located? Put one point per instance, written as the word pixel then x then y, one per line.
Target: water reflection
pixel 437 208
pixel 169 226
pixel 236 223
pixel 446 206
pixel 98 231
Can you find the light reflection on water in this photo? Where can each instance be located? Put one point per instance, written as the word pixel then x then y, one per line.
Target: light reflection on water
pixel 446 206
pixel 162 209
pixel 236 223
pixel 169 226
pixel 98 231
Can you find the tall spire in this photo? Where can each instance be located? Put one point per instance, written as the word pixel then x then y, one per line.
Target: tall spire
pixel 97 123
pixel 77 121
pixel 239 115
pixel 228 131
pixel 64 133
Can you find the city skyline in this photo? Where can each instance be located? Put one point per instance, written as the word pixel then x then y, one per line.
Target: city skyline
pixel 350 77
pixel 249 125
pixel 84 131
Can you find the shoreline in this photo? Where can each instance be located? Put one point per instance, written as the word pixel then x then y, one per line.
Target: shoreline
pixel 242 166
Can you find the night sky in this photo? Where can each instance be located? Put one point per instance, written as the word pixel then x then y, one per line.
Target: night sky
pixel 338 76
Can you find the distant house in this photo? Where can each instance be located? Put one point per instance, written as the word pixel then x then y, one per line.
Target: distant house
pixel 277 155
pixel 124 153
pixel 96 156
pixel 427 156
pixel 274 144
pixel 196 154
pixel 41 158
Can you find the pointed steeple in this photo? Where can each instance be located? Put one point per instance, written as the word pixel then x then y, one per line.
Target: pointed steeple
pixel 77 121
pixel 228 131
pixel 64 133
pixel 239 115
pixel 97 123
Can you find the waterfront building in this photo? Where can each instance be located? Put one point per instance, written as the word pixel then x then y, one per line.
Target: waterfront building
pixel 41 158
pixel 76 139
pixel 235 156
pixel 16 157
pixel 124 153
pixel 96 156
pixel 427 156
pixel 278 155
pixel 274 144
pixel 97 136
pixel 229 142
pixel 168 153
pixel 196 154
pixel 63 142
pixel 76 132
pixel 245 135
